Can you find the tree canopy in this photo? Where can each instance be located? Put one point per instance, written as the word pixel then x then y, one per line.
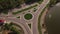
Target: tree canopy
pixel 53 2
pixel 31 1
pixel 9 4
pixel 6 5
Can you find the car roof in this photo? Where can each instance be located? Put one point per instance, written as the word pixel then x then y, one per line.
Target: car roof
pixel 1 20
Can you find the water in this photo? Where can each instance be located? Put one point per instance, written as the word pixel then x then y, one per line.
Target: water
pixel 52 20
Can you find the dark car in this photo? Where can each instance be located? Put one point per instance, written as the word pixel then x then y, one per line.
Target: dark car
pixel 1 22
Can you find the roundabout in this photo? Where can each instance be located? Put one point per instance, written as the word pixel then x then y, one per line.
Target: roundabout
pixel 28 16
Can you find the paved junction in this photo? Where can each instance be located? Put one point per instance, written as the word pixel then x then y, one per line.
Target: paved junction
pixel 22 21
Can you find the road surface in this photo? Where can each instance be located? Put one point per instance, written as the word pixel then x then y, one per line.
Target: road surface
pixel 34 20
pixel 15 20
pixel 36 15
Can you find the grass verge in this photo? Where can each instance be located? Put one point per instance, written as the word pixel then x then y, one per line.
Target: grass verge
pixel 39 27
pixel 24 9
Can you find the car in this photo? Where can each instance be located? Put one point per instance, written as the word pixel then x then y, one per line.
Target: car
pixel 1 22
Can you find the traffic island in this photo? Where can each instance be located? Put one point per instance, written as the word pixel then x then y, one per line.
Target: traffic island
pixel 14 13
pixel 18 16
pixel 28 16
pixel 29 25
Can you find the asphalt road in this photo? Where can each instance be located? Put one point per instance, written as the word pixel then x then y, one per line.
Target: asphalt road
pixel 18 21
pixel 35 19
pixel 36 15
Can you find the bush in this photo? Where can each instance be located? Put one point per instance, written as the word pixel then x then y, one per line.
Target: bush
pixel 31 1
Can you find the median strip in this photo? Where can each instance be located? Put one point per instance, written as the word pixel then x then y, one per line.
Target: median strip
pixel 24 9
pixel 29 25
pixel 39 27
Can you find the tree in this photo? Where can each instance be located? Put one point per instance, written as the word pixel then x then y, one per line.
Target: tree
pixel 31 1
pixel 53 2
pixel 9 4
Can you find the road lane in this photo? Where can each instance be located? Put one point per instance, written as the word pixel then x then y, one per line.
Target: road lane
pixel 35 19
pixel 15 20
pixel 36 15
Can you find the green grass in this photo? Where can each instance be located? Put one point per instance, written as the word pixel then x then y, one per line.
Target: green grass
pixel 28 16
pixel 24 9
pixel 35 9
pixel 39 27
